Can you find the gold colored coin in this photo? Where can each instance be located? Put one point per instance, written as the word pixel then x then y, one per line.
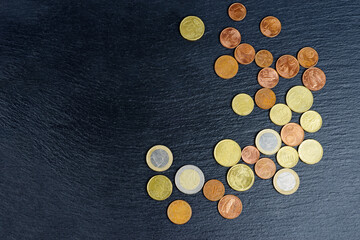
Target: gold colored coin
pixel 179 212
pixel 242 104
pixel 299 99
pixel 226 67
pixel 159 158
pixel 310 151
pixel 227 152
pixel 192 28
pixel 159 187
pixel 287 157
pixel 264 58
pixel 280 114
pixel 240 177
pixel 286 181
pixel 311 121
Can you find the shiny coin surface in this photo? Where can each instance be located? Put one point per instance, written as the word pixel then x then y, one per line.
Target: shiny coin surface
pixel 230 206
pixel 265 98
pixel 244 53
pixel 307 57
pixel 287 66
pixel 192 28
pixel 264 58
pixel 286 181
pixel 230 37
pixel 237 11
pixel 287 157
pixel 314 78
pixel 268 141
pixel 227 152
pixel 242 104
pixel 265 168
pixel 226 67
pixel 270 26
pixel 310 151
pixel 213 190
pixel 159 158
pixel 159 187
pixel 280 114
pixel 299 99
pixel 268 77
pixel 240 177
pixel 250 154
pixel 311 121
pixel 189 179
pixel 179 212
pixel 292 134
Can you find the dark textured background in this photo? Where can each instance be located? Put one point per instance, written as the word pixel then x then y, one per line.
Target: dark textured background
pixel 87 87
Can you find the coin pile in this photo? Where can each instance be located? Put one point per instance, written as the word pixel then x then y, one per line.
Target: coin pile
pixel 189 179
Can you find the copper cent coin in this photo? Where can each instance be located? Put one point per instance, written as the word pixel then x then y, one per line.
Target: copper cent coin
pixel 270 26
pixel 292 134
pixel 265 168
pixel 230 206
pixel 265 98
pixel 179 212
pixel 314 79
pixel 268 77
pixel 264 58
pixel 308 57
pixel 244 53
pixel 287 66
pixel 213 190
pixel 230 37
pixel 226 67
pixel 237 11
pixel 250 154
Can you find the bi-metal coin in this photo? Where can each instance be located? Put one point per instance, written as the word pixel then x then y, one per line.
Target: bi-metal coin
pixel 159 158
pixel 286 181
pixel 268 141
pixel 189 179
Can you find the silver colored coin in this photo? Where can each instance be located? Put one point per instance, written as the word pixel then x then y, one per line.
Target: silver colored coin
pixel 189 179
pixel 268 141
pixel 159 158
pixel 286 181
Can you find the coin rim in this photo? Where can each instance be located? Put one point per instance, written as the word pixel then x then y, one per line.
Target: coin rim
pixel 297 180
pixel 148 158
pixel 301 157
pixel 198 187
pixel 252 181
pixel 166 179
pixel 167 212
pixel 203 27
pixel 289 166
pixel 302 121
pixel 277 135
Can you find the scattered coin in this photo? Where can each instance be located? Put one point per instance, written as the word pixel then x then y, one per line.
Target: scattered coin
pixel 268 77
pixel 250 154
pixel 230 206
pixel 310 151
pixel 244 53
pixel 230 37
pixel 226 67
pixel 213 190
pixel 265 98
pixel 159 187
pixel 287 66
pixel 264 58
pixel 242 104
pixel 268 141
pixel 292 134
pixel 314 79
pixel 159 158
pixel 189 179
pixel 311 121
pixel 265 168
pixel 299 99
pixel 287 157
pixel 286 181
pixel 307 57
pixel 240 177
pixel 270 26
pixel 192 28
pixel 227 152
pixel 179 212
pixel 280 114
pixel 237 11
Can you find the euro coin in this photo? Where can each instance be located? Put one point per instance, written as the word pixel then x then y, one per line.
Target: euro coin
pixel 287 66
pixel 307 57
pixel 179 212
pixel 310 151
pixel 159 187
pixel 237 11
pixel 265 168
pixel 226 67
pixel 244 53
pixel 314 78
pixel 299 99
pixel 227 152
pixel 286 181
pixel 264 58
pixel 311 121
pixel 287 157
pixel 230 206
pixel 280 114
pixel 159 158
pixel 189 179
pixel 268 77
pixel 292 134
pixel 250 154
pixel 213 190
pixel 192 28
pixel 230 37
pixel 242 104
pixel 270 26
pixel 268 141
pixel 265 98
pixel 240 177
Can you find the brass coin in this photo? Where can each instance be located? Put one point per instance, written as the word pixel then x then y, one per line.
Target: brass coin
pixel 237 11
pixel 299 99
pixel 265 168
pixel 265 98
pixel 307 57
pixel 240 177
pixel 268 77
pixel 270 26
pixel 314 79
pixel 250 154
pixel 226 67
pixel 213 190
pixel 242 104
pixel 286 181
pixel 292 134
pixel 230 206
pixel 227 152
pixel 159 187
pixel 310 151
pixel 280 114
pixel 287 157
pixel 311 121
pixel 287 66
pixel 179 212
pixel 159 158
pixel 230 37
pixel 264 58
pixel 192 28
pixel 244 53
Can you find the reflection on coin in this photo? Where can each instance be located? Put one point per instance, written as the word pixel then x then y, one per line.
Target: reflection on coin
pixel 159 158
pixel 159 187
pixel 268 77
pixel 287 157
pixel 265 98
pixel 189 179
pixel 286 181
pixel 314 78
pixel 192 28
pixel 287 66
pixel 242 104
pixel 230 206
pixel 299 99
pixel 227 152
pixel 244 53
pixel 270 26
pixel 264 58
pixel 179 212
pixel 250 154
pixel 280 114
pixel 310 151
pixel 240 177
pixel 230 37
pixel 311 121
pixel 268 141
pixel 307 57
pixel 265 168
pixel 237 11
pixel 226 67
pixel 213 190
pixel 292 134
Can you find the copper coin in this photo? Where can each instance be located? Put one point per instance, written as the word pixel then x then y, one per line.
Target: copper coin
pixel 287 66
pixel 244 53
pixel 270 26
pixel 268 77
pixel 292 134
pixel 230 206
pixel 237 11
pixel 230 37
pixel 250 154
pixel 307 57
pixel 213 190
pixel 314 78
pixel 265 168
pixel 226 67
pixel 179 212
pixel 265 98
pixel 264 58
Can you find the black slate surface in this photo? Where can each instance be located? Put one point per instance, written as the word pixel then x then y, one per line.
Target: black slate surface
pixel 87 87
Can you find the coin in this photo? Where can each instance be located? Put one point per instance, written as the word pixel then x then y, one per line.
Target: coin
pixel 307 57
pixel 230 206
pixel 159 158
pixel 250 154
pixel 314 78
pixel 280 114
pixel 287 66
pixel 265 98
pixel 242 104
pixel 292 134
pixel 268 141
pixel 227 152
pixel 270 26
pixel 192 28
pixel 189 179
pixel 311 121
pixel 268 77
pixel 310 151
pixel 240 177
pixel 213 190
pixel 286 181
pixel 244 53
pixel 230 37
pixel 264 58
pixel 179 212
pixel 265 168
pixel 159 187
pixel 237 11
pixel 299 99
pixel 287 157
pixel 226 67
